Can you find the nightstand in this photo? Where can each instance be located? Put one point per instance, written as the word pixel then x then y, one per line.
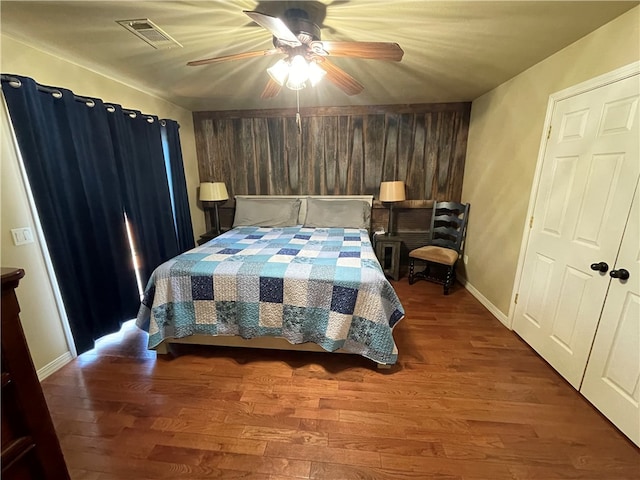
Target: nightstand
pixel 388 253
pixel 211 234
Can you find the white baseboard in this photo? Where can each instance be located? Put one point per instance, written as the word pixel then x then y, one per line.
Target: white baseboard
pixel 54 366
pixel 504 319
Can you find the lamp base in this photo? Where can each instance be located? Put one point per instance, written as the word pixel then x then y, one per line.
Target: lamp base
pixel 217 224
pixel 390 224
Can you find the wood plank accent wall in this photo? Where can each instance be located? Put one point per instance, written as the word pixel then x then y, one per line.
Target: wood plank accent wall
pixel 340 150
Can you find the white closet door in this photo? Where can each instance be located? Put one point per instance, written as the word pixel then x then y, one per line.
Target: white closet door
pixel 587 182
pixel 612 378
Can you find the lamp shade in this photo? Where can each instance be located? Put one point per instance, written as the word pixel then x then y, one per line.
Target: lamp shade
pixel 279 72
pixel 392 191
pixel 213 192
pixel 316 73
pixel 298 73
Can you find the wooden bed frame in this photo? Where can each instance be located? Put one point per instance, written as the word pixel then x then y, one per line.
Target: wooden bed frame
pixel 269 343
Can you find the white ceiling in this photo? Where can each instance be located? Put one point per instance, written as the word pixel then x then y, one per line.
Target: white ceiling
pixel 454 50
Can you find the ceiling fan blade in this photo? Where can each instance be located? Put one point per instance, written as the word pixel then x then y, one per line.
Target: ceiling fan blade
pixel 341 79
pixel 276 26
pixel 271 89
pixel 372 50
pixel 235 56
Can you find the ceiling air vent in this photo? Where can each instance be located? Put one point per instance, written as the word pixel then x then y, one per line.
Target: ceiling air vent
pixel 150 33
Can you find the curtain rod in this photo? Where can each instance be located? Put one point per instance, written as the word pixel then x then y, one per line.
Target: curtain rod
pixel 89 102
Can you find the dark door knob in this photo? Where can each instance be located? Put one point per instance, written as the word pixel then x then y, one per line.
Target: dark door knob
pixel 621 273
pixel 600 267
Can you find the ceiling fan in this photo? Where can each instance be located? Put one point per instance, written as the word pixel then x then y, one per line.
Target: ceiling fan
pixel 306 55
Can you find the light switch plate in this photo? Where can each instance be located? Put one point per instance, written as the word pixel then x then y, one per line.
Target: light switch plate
pixel 22 236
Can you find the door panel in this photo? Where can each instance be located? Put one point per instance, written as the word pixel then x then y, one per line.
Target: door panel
pixel 556 206
pixel 587 182
pixel 566 316
pixel 619 116
pixel 573 125
pixel 539 289
pixel 612 378
pixel 598 196
pixel 621 372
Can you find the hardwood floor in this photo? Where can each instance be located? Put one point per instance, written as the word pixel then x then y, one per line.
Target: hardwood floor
pixel 468 400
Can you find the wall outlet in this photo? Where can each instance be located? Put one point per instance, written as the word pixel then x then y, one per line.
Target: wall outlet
pixel 465 259
pixel 22 236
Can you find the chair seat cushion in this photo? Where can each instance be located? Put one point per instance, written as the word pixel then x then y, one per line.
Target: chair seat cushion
pixel 431 253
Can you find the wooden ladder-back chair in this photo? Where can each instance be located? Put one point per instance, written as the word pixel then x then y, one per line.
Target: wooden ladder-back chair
pixel 445 245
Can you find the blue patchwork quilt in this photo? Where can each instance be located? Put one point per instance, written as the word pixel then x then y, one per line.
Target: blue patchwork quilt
pixel 321 285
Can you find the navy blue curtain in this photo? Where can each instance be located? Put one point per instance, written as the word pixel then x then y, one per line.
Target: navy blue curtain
pixel 70 161
pixel 184 227
pixel 88 165
pixel 137 142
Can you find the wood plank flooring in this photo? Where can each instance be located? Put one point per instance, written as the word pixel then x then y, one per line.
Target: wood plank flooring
pixel 468 400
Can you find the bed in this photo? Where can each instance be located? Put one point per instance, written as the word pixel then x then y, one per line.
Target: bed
pixel 295 273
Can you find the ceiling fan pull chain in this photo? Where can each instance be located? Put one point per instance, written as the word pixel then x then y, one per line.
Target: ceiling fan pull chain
pixel 298 120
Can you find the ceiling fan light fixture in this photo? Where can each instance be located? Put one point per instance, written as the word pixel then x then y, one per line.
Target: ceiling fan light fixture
pixel 279 71
pixel 315 73
pixel 295 85
pixel 298 73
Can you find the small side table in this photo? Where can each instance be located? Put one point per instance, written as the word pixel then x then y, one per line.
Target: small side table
pixel 211 234
pixel 388 253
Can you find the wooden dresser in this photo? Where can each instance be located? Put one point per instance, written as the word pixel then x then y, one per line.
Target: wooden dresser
pixel 30 447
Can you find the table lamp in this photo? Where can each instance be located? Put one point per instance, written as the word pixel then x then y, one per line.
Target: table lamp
pixel 391 192
pixel 214 192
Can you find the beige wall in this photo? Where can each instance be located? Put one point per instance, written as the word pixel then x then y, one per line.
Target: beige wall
pixel 504 139
pixel 41 323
